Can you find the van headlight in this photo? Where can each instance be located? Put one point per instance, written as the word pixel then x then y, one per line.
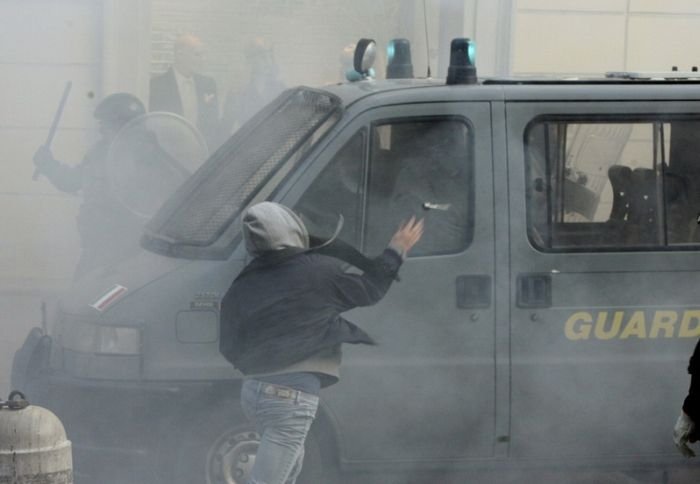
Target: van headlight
pixel 93 338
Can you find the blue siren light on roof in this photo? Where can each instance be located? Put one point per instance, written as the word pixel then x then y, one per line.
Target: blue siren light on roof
pixel 462 68
pixel 398 53
pixel 471 53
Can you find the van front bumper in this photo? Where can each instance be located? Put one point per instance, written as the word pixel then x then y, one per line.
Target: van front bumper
pixel 115 427
pixel 120 430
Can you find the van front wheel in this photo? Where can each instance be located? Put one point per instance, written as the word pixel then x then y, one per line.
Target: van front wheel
pixel 223 449
pixel 217 447
pixel 230 458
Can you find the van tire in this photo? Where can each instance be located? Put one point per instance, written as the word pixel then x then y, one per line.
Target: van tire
pixel 218 450
pixel 187 453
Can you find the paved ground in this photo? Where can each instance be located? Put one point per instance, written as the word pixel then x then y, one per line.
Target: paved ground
pixel 677 476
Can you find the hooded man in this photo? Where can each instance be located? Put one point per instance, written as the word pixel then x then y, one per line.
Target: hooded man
pixel 282 328
pixel 686 429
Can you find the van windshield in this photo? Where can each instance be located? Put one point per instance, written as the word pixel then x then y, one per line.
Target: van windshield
pixel 194 222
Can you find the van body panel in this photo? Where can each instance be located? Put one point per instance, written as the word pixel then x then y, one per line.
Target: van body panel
pixel 603 355
pixel 420 364
pixel 181 344
pixel 134 273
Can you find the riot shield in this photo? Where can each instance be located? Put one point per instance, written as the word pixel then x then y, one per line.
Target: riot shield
pixel 150 158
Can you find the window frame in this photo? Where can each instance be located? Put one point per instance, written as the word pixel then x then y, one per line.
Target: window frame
pixel 655 120
pixel 363 135
pixel 470 174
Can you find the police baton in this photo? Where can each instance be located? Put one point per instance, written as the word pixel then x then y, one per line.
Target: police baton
pixel 56 120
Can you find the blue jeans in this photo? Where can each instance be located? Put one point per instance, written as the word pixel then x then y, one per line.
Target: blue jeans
pixel 283 417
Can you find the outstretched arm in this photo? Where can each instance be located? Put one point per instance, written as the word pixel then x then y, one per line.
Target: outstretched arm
pixel 354 290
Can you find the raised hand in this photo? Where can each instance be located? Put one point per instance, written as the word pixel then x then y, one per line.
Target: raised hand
pixel 408 235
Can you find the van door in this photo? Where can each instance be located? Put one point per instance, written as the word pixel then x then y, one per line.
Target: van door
pixel 605 274
pixel 426 391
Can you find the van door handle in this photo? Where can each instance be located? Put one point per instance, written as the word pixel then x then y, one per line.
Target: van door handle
pixel 473 291
pixel 534 291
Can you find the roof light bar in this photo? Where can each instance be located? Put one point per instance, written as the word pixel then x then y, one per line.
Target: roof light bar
pixel 462 68
pixel 653 75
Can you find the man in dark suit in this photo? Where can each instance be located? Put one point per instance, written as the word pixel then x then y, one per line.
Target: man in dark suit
pixel 182 90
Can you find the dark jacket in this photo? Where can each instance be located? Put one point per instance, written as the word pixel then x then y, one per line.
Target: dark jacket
pixel 691 405
pixel 164 96
pixel 285 307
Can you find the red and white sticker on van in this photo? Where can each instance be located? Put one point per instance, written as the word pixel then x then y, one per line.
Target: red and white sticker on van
pixel 109 298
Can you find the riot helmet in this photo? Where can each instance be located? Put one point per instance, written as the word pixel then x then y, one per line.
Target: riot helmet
pixel 116 109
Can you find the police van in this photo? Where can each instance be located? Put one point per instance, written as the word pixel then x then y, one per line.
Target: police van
pixel 544 321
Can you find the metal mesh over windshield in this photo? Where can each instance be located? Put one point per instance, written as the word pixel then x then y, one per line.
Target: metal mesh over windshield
pixel 242 166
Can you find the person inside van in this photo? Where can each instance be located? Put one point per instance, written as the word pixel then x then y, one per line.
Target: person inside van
pixel 686 429
pixel 282 328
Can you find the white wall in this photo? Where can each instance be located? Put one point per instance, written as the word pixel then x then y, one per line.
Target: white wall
pixel 307 35
pixel 43 44
pixel 590 37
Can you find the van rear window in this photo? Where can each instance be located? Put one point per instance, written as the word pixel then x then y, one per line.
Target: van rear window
pixel 613 184
pixel 199 213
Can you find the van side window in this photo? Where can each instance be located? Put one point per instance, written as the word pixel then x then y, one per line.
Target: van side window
pixel 421 167
pixel 612 184
pixel 337 191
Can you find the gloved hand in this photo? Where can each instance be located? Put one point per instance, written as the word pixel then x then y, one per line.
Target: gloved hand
pixel 43 158
pixel 683 428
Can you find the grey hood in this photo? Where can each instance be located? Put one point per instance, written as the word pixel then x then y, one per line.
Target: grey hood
pixel 269 226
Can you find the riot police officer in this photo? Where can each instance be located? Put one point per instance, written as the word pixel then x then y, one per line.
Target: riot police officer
pixel 107 229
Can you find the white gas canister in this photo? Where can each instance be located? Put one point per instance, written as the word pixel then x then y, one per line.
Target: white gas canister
pixel 33 445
